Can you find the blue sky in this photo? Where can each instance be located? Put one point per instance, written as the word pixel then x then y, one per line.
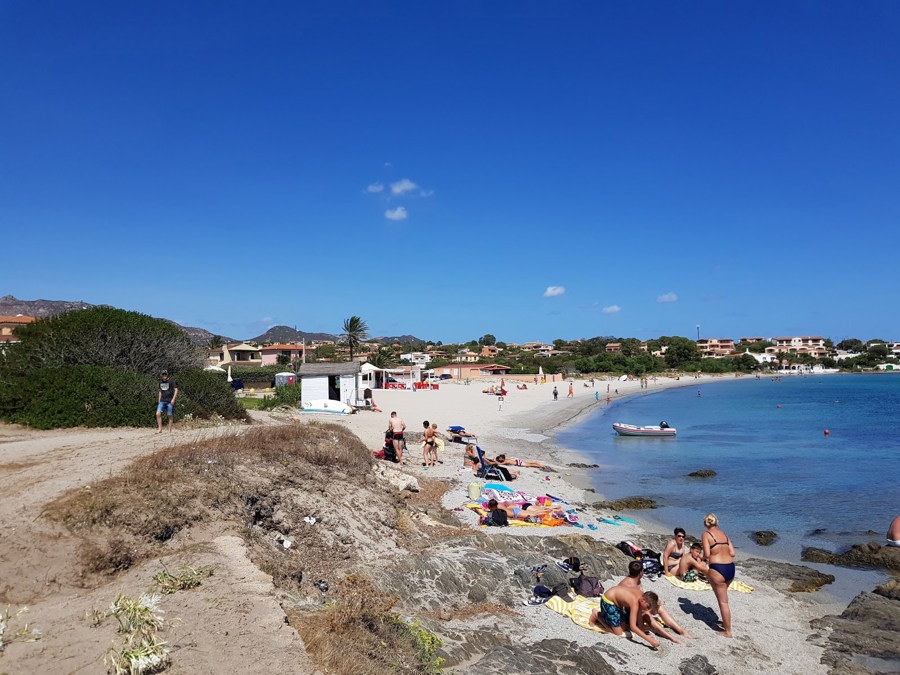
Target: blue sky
pixel 534 170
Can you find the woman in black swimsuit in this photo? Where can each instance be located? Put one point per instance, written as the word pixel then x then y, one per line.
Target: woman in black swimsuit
pixel 674 551
pixel 719 551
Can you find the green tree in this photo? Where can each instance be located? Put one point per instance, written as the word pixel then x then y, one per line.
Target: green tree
pixel 355 331
pixel 283 360
pixel 104 336
pixel 215 342
pixel 680 352
pixel 487 340
pixel 851 345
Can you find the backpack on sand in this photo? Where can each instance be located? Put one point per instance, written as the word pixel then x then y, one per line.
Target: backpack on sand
pixel 586 587
pixel 497 518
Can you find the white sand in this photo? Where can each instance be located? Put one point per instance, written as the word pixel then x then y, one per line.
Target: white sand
pixel 771 629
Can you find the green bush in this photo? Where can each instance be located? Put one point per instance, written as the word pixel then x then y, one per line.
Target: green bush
pixel 98 396
pixel 256 377
pixel 286 394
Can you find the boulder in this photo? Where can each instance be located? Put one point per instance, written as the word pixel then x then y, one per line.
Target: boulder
pixel 627 504
pixel 871 555
pixel 785 577
pixel 398 479
pixel 764 537
pixel 702 473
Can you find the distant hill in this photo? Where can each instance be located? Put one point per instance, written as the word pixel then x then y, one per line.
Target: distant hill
pixel 11 306
pixel 287 335
pixel 402 339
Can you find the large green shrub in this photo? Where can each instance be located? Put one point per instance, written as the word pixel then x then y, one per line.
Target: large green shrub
pixel 98 396
pixel 286 394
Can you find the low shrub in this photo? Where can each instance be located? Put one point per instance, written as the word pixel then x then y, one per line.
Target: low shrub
pixel 203 393
pixel 286 394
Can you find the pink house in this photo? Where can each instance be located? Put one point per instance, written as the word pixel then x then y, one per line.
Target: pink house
pixel 294 352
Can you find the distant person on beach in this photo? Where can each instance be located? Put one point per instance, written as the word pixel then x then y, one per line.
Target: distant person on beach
pixel 165 401
pixel 571 390
pixel 508 474
pixel 555 393
pixel 893 533
pixel 719 551
pixel 429 452
pixel 522 511
pixel 470 457
pixel 674 550
pixel 633 583
pixel 398 426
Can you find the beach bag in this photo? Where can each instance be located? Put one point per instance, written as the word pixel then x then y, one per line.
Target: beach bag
pixel 474 491
pixel 586 587
pixel 497 518
pixel 551 521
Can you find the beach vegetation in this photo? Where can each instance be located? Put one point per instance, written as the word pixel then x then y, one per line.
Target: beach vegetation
pixel 851 345
pixel 285 395
pixel 487 340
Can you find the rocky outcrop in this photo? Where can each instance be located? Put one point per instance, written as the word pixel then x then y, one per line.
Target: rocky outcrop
pixel 785 577
pixel 865 638
pixel 397 479
pixel 872 555
pixel 702 473
pixel 765 537
pixel 627 504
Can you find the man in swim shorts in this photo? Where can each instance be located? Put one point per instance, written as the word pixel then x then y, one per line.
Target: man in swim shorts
pixel 621 609
pixel 632 583
pixel 165 401
pixel 398 426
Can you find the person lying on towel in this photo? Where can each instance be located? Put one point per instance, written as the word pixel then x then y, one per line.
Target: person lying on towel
pixel 522 511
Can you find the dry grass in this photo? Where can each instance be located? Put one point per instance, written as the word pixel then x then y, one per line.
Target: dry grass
pixel 359 628
pixel 466 612
pixel 159 495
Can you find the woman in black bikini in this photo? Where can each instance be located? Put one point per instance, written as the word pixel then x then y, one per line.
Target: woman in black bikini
pixel 674 551
pixel 719 551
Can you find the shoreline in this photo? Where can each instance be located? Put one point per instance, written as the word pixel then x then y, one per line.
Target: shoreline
pixel 770 624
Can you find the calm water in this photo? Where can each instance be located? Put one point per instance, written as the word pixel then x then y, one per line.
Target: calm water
pixel 777 470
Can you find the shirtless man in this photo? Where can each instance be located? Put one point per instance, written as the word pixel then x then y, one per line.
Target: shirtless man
pixel 620 609
pixel 633 583
pixel 398 426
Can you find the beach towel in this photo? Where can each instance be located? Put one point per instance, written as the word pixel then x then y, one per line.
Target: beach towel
pixel 579 610
pixel 735 585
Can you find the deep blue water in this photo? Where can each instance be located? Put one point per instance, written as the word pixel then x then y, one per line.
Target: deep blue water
pixel 777 470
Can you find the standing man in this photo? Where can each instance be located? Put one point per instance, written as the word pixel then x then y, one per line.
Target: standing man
pixel 168 392
pixel 398 426
pixel 555 393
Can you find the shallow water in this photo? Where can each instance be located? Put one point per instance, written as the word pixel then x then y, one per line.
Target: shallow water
pixel 776 467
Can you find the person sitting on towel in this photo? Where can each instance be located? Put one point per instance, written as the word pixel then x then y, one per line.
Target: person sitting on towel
pixel 470 457
pixel 691 566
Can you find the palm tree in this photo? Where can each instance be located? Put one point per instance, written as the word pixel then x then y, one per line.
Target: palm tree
pixel 355 331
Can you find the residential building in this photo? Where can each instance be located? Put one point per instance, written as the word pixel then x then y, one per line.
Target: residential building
pixel 417 358
pixel 813 346
pixel 462 371
pixel 270 353
pixel 715 347
pixel 612 347
pixel 744 341
pixel 490 351
pixel 8 325
pixel 235 354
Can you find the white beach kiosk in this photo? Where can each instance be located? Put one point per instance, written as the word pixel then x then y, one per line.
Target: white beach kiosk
pixel 330 382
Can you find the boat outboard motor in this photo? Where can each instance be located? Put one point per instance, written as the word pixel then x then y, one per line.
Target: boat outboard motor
pixel 663 425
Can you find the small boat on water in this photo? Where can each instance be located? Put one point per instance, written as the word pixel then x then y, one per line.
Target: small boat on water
pixel 661 429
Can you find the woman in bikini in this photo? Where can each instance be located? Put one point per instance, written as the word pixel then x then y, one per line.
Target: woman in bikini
pixel 674 551
pixel 515 461
pixel 719 551
pixel 429 453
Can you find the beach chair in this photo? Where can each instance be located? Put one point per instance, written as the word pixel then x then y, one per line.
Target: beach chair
pixel 487 471
pixel 460 435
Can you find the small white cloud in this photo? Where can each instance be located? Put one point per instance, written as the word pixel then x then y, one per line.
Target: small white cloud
pixel 374 188
pixel 403 186
pixel 396 214
pixel 612 309
pixel 667 297
pixel 553 291
pixel 426 193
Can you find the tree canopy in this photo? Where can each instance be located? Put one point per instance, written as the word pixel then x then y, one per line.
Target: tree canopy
pixel 355 331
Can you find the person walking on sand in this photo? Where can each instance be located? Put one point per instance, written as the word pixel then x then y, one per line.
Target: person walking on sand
pixel 555 394
pixel 398 426
pixel 165 400
pixel 719 551
pixel 571 390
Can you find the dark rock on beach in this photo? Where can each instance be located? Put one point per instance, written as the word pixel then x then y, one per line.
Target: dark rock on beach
pixel 785 577
pixel 579 465
pixel 702 473
pixel 765 537
pixel 696 665
pixel 628 504
pixel 871 555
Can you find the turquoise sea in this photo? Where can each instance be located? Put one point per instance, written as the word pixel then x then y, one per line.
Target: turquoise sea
pixel 776 467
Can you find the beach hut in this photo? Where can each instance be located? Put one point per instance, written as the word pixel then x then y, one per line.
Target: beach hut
pixel 333 381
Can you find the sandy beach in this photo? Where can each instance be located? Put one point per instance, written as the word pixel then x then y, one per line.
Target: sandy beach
pixel 771 629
